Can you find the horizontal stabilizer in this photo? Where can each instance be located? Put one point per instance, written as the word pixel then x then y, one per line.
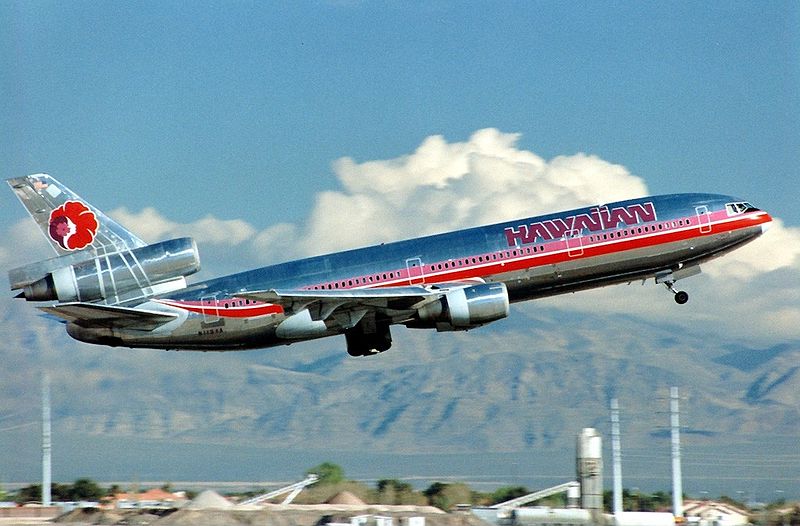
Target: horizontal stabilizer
pixel 91 315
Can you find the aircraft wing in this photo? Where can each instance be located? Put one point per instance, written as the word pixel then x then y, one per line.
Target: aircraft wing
pixel 323 303
pixel 91 315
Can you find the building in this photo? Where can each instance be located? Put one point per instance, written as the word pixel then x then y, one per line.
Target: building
pixel 152 498
pixel 713 513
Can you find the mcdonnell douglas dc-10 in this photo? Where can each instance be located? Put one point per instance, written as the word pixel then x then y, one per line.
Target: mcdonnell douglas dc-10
pixel 111 288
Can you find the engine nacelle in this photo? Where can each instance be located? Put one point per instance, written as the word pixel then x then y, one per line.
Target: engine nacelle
pixel 145 271
pixel 466 308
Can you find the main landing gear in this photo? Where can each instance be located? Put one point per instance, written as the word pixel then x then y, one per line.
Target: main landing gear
pixel 681 296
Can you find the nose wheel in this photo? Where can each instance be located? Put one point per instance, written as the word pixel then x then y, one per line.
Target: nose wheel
pixel 681 296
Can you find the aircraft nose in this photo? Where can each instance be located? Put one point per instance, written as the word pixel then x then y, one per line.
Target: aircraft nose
pixel 766 222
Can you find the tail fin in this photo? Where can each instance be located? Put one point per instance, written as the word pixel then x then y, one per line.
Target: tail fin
pixel 98 260
pixel 68 222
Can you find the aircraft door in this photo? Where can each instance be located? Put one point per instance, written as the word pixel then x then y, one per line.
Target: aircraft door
pixel 416 275
pixel 703 219
pixel 574 240
pixel 210 307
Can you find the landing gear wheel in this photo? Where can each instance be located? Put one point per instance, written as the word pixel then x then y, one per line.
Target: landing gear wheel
pixel 681 297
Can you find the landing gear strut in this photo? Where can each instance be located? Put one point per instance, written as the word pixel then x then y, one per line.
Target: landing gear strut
pixel 681 296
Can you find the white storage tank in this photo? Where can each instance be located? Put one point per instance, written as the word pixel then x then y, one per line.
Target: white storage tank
pixel 643 518
pixel 590 469
pixel 550 516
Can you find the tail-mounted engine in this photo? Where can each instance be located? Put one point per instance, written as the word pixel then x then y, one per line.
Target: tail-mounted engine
pixel 145 271
pixel 465 308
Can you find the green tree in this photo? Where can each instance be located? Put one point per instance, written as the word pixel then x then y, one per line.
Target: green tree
pixel 113 490
pixel 328 473
pixel 85 489
pixel 61 492
pixel 392 491
pixel 507 493
pixel 81 489
pixel 32 493
pixel 447 496
pixel 662 500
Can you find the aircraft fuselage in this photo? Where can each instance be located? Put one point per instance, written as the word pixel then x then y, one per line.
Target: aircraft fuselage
pixel 662 237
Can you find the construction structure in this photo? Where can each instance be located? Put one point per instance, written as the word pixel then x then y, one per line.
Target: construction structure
pixel 587 490
pixel 291 491
pixel 571 488
pixel 584 495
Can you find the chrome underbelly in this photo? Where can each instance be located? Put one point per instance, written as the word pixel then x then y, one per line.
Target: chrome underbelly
pixel 194 334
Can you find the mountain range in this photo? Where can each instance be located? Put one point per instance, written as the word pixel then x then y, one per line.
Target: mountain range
pixel 514 394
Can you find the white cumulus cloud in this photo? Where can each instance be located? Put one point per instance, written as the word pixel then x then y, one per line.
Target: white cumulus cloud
pixel 152 226
pixel 442 186
pixel 779 248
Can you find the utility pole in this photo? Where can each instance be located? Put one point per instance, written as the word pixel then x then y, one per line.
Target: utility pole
pixel 616 454
pixel 677 483
pixel 46 442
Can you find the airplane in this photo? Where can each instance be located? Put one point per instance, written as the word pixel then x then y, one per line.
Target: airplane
pixel 111 288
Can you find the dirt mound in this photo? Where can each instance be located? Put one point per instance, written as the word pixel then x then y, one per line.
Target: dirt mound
pixel 209 500
pixel 345 497
pixel 91 516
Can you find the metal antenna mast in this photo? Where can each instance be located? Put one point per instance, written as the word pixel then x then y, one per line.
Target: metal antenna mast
pixel 677 484
pixel 616 454
pixel 46 442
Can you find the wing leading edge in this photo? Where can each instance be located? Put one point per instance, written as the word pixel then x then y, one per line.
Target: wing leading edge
pixel 323 304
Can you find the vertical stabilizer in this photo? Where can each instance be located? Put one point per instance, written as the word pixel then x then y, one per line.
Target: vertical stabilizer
pixel 68 222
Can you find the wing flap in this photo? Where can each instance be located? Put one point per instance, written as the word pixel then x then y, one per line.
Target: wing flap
pixel 92 315
pixel 322 304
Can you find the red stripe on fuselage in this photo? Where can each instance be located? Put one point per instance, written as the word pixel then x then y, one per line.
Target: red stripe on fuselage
pixel 504 261
pixel 231 308
pixel 557 251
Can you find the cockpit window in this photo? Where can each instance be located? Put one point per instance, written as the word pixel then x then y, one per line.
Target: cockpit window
pixel 739 208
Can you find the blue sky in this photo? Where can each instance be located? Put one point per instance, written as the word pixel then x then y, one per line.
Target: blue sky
pixel 239 108
pixel 281 129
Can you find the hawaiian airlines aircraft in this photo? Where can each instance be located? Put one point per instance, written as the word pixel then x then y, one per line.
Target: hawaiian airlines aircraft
pixel 111 288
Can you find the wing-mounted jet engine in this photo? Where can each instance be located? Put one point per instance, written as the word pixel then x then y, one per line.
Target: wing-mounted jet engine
pixel 464 308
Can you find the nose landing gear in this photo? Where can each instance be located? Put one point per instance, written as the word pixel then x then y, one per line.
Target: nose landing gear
pixel 681 296
pixel 669 276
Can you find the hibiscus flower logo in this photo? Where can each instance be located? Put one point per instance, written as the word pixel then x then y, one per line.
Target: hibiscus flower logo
pixel 73 226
